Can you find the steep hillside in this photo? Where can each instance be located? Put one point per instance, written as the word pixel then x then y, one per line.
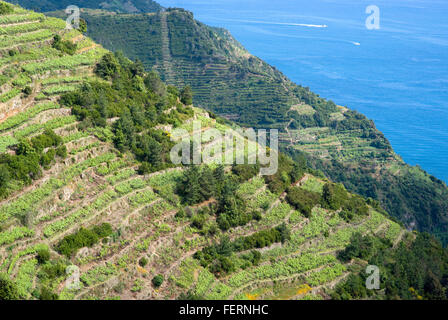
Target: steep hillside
pixel 231 82
pixel 129 6
pixel 85 181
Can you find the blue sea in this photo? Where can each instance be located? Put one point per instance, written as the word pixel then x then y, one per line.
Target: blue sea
pixel 396 75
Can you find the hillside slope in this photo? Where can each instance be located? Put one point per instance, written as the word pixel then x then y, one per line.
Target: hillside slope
pixel 229 81
pixel 85 181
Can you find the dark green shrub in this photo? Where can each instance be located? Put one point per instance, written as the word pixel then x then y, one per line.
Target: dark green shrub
pixel 303 200
pixel 27 91
pixel 43 255
pixel 13 52
pixel 70 244
pixel 157 280
pixel 61 151
pixel 334 196
pixel 8 289
pixel 245 171
pixel 82 26
pixel 64 45
pixel 186 96
pixel 5 8
pixel 108 66
pixel 48 294
pixel 360 246
pixel 288 173
pixel 143 262
pixel 53 269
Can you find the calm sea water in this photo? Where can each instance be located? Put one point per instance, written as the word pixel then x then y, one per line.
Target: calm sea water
pixel 397 75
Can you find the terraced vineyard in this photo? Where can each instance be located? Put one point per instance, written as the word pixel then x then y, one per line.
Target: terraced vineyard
pixel 132 226
pixel 227 80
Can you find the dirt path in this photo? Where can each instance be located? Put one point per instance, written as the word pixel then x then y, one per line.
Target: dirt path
pixel 18 23
pixel 77 38
pixel 166 52
pixel 82 50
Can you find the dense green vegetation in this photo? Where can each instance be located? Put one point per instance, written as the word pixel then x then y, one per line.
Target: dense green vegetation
pixel 32 155
pixel 8 289
pixel 5 8
pixel 157 281
pixel 414 271
pixel 201 184
pixel 303 200
pixel 83 238
pixel 152 230
pixel 64 45
pixel 335 197
pixel 118 6
pixel 138 108
pixel 288 172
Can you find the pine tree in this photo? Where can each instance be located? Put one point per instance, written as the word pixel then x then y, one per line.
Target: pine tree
pixel 190 188
pixel 186 96
pixel 207 183
pixel 219 176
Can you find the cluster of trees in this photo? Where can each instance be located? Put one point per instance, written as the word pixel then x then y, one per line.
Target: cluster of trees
pixel 303 200
pixel 201 220
pixel 199 184
pixel 43 255
pixel 244 172
pixel 263 238
pixel 186 96
pixel 26 164
pixel 53 269
pixel 138 101
pixel 413 270
pixel 117 6
pixel 218 257
pixel 70 244
pixel 353 288
pixel 157 281
pixel 411 191
pixel 64 45
pixel 232 209
pixel 335 197
pixel 288 172
pixel 8 289
pixel 49 272
pixel 82 26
